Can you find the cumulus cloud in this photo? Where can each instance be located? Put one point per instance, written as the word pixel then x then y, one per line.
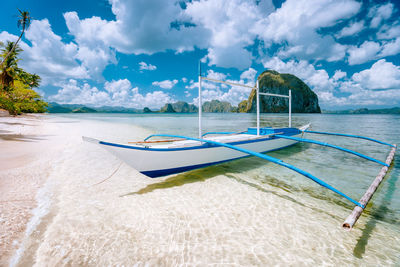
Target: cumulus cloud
pixel 48 55
pixel 382 75
pixel 317 79
pixel 145 66
pixel 296 24
pixel 249 75
pixel 74 93
pixel 352 29
pixel 115 93
pixel 339 75
pixel 229 32
pixel 366 52
pixel 94 54
pixel 166 84
pixel 380 13
pixel 391 48
pixel 389 31
pixel 223 92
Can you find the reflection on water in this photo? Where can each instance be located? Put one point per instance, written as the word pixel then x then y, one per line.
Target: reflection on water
pixel 376 215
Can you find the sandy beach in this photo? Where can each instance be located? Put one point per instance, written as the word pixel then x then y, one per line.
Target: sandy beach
pixel 60 207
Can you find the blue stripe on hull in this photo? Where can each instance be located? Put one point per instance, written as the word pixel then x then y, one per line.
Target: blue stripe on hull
pixel 159 173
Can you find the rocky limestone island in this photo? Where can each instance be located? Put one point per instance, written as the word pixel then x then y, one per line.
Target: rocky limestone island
pixel 178 107
pixel 304 100
pixel 217 106
pixel 214 106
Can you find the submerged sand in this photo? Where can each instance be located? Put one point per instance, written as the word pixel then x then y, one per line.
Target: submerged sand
pixel 61 207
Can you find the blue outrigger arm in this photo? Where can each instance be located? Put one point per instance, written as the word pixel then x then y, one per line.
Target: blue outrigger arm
pixel 268 158
pixel 350 135
pixel 332 146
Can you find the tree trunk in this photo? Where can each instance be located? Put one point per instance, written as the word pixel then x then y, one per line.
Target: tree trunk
pixel 15 45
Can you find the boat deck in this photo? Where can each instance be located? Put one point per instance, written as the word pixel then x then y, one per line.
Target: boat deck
pixel 220 138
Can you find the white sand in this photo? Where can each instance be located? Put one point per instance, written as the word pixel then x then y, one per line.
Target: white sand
pixel 203 217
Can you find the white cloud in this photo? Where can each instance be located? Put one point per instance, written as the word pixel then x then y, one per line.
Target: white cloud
pixel 379 14
pixel 367 51
pixel 94 53
pixel 389 32
pixel 223 92
pixel 166 84
pixel 184 80
pixel 216 75
pixel 138 30
pixel 117 93
pixel 296 24
pixel 72 92
pixel 339 75
pixel 48 56
pixel 153 100
pixel 352 29
pixel 228 23
pixel 145 66
pixel 117 86
pixel 318 80
pixel 390 48
pixel 249 75
pixel 382 75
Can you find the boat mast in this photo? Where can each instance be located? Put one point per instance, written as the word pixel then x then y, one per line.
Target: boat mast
pixel 200 103
pixel 290 108
pixel 258 109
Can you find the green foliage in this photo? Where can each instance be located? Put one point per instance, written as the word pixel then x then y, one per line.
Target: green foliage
pixel 242 107
pixel 16 94
pixel 9 67
pixel 22 99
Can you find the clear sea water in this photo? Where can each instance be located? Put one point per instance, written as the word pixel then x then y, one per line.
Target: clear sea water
pixel 342 170
pixel 245 212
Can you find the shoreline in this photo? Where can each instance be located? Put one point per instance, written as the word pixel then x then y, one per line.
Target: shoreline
pixel 21 143
pixel 31 145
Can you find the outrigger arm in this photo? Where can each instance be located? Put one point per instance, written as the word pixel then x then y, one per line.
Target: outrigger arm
pixel 350 135
pixel 268 158
pixel 332 146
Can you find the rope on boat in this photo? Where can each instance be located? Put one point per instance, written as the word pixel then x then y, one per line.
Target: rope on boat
pixel 268 158
pixel 351 135
pixel 356 213
pixel 332 146
pixel 115 171
pixel 217 133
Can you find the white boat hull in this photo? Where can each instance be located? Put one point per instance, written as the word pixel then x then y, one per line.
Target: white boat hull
pixel 163 160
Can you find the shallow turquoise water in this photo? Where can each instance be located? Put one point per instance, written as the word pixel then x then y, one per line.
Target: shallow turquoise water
pixel 246 212
pixel 344 171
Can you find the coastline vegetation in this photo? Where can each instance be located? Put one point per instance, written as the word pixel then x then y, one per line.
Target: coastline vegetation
pixel 17 94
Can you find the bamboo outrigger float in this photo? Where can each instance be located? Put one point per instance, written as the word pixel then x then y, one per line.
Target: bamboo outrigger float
pixel 183 153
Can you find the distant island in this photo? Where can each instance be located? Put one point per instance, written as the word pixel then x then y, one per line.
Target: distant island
pixel 395 110
pixel 304 100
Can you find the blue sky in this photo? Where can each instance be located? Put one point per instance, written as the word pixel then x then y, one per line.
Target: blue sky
pixel 146 52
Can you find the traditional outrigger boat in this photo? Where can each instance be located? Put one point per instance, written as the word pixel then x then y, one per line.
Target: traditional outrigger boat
pixel 183 153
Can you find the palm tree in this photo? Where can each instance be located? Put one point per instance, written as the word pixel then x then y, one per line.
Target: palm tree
pixel 34 81
pixel 9 69
pixel 24 21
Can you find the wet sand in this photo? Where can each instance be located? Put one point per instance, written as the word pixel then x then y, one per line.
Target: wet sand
pixel 21 144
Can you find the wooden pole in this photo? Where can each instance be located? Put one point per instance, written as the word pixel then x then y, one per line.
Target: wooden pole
pixel 353 217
